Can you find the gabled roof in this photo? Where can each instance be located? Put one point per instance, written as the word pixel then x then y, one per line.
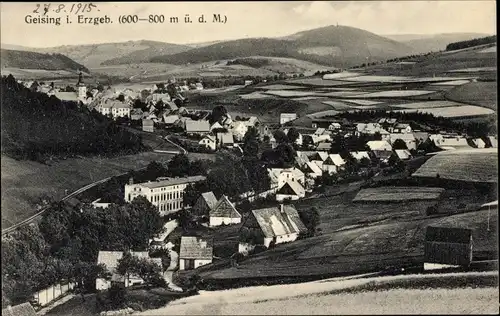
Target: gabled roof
pixel 171 105
pixel 324 146
pixel 494 141
pixel 379 145
pixel 334 159
pixel 313 168
pixel 147 123
pixel 224 208
pixel 274 223
pixel 24 309
pixel 320 131
pixel 170 119
pixel 421 136
pixel 319 155
pixel 209 137
pixel 403 154
pixel 172 181
pixel 402 136
pixel 216 125
pixel 225 138
pixel 197 126
pixel 196 248
pixel 358 155
pixel 291 188
pixel 209 198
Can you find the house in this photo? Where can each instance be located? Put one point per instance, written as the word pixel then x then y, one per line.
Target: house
pixel 197 127
pixel 24 309
pixel 216 125
pixel 287 117
pixel 209 141
pixel 334 126
pixel 301 159
pixel 164 97
pixel 110 260
pixel 371 129
pixel 400 128
pixel 148 126
pixel 447 247
pixel 270 226
pixel 324 146
pixel 280 176
pixel 195 252
pixel 170 120
pixel 333 163
pixel 379 145
pixel 403 154
pixel 312 170
pixel 420 137
pixel 458 142
pixel 290 190
pixel 224 213
pixel 225 139
pixel 479 143
pixel 136 114
pixel 114 108
pixel 359 155
pixel 408 138
pixel 493 141
pixel 248 82
pixel 205 203
pixel 390 121
pixel 264 131
pixel 239 130
pixel 164 193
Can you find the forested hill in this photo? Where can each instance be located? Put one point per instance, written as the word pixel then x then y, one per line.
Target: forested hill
pixel 32 60
pixel 35 126
pixel 473 42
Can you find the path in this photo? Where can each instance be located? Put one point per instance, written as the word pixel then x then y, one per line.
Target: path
pixel 184 151
pixel 169 273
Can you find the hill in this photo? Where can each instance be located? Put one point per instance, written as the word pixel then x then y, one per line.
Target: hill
pixel 32 60
pixel 95 54
pixel 331 45
pixel 421 43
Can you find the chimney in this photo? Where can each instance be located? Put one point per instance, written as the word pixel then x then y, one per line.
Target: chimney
pixel 131 180
pixel 281 208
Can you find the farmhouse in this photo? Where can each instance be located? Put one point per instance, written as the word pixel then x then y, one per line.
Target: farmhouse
pixel 110 260
pixel 270 226
pixel 333 163
pixel 205 203
pixel 290 190
pixel 24 309
pixel 170 120
pixel 197 127
pixel 312 170
pixel 359 155
pixel 225 139
pixel 447 247
pixel 224 213
pixel 287 117
pixel 136 114
pixel 166 194
pixel 209 141
pixel 380 148
pixel 324 146
pixel 400 128
pixel 216 125
pixel 148 126
pixel 457 142
pixel 195 252
pixel 408 138
pixel 280 176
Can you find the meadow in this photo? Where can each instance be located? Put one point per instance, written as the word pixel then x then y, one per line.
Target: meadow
pixel 398 194
pixel 477 93
pixel 453 111
pixel 427 105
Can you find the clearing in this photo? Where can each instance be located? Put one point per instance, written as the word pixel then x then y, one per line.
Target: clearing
pixel 454 111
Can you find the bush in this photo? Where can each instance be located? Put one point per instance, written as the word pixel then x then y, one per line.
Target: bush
pixel 116 295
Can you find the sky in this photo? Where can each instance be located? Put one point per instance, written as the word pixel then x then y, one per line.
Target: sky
pixel 244 20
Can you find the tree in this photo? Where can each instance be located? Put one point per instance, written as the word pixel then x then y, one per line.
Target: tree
pixel 228 176
pixel 399 144
pixel 280 137
pixel 116 295
pixel 286 155
pixel 121 98
pixel 218 113
pixel 310 218
pixel 178 166
pixel 251 143
pixel 293 135
pixel 199 167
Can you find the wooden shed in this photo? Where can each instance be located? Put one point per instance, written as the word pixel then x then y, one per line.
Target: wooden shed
pixel 447 247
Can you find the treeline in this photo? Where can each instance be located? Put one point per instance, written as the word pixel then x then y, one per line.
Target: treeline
pixel 65 244
pixel 473 129
pixel 471 43
pixel 251 62
pixel 33 60
pixel 36 126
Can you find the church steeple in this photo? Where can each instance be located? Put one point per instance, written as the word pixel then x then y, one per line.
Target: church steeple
pixel 82 89
pixel 80 79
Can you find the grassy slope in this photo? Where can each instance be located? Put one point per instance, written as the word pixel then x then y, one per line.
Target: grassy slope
pixel 478 93
pixel 32 60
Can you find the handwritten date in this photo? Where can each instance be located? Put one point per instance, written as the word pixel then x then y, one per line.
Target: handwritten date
pixel 75 8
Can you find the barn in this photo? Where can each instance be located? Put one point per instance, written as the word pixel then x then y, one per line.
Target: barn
pixel 447 247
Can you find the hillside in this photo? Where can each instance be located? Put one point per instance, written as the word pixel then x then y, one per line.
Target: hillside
pixel 331 45
pixel 95 54
pixel 421 43
pixel 32 60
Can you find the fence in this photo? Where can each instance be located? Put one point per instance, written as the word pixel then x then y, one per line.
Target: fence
pixel 44 297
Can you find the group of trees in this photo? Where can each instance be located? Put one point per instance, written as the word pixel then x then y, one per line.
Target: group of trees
pixel 64 246
pixel 35 126
pixel 471 43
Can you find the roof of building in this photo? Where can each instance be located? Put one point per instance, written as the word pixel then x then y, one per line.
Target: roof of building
pixel 193 126
pixel 448 234
pixel 196 248
pixel 313 168
pixel 334 159
pixel 379 145
pixel 216 125
pixel 387 120
pixel 291 188
pixel 209 198
pixel 110 258
pixel 319 155
pixel 274 223
pixel 403 154
pixel 148 122
pixel 324 146
pixel 24 309
pixel 320 131
pixel 251 121
pixel 288 114
pixel 224 208
pixel 66 96
pixel 209 137
pixel 170 119
pixel 171 181
pixel 358 155
pixel 402 125
pixel 402 136
pixel 301 159
pixel 225 138
pixel 423 136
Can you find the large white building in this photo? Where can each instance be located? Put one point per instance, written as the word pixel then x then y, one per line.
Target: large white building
pixel 166 194
pixel 114 108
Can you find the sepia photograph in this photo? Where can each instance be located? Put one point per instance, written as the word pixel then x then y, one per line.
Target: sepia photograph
pixel 249 158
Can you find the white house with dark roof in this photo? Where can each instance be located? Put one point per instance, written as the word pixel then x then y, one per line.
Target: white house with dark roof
pixel 195 252
pixel 209 141
pixel 292 190
pixel 333 163
pixel 110 260
pixel 280 176
pixel 267 226
pixel 224 213
pixel 166 194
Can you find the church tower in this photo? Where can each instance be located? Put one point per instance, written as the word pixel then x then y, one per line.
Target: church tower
pixel 82 89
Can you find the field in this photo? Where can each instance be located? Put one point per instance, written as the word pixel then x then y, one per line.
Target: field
pixel 38 73
pixel 394 94
pixel 477 93
pixel 451 83
pixel 381 79
pixel 492 49
pixel 427 105
pixel 317 82
pixel 454 111
pixel 394 194
pixel 416 294
pixel 255 95
pixel 477 69
pixel 337 105
pixel 476 165
pixel 362 102
pixel 280 87
pixel 289 93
